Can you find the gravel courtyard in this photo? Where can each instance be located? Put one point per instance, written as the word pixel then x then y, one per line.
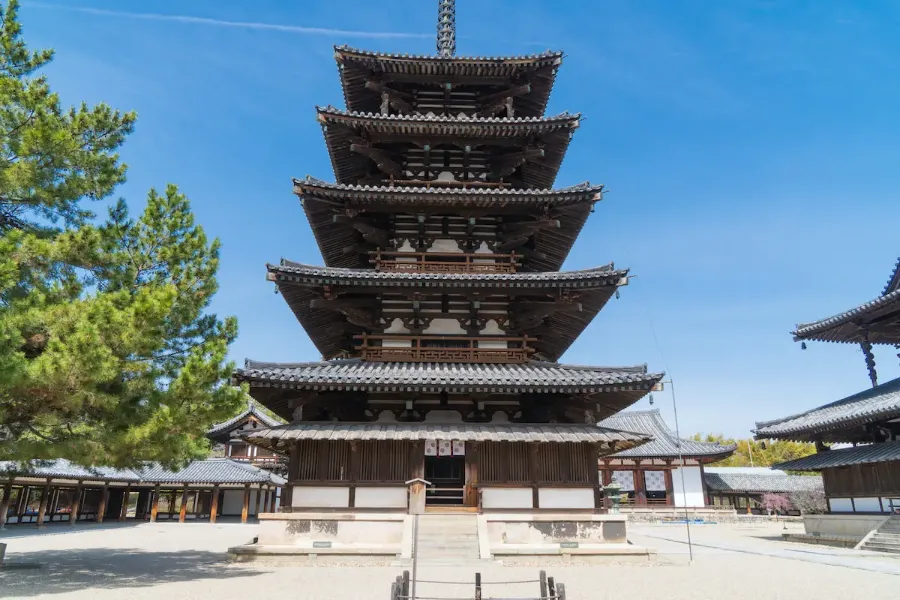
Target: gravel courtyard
pixel 186 561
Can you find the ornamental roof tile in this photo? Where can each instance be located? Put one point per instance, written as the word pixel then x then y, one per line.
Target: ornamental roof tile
pixel 664 444
pixel 553 55
pixel 893 283
pixel 843 457
pixel 251 410
pixel 869 406
pixel 564 119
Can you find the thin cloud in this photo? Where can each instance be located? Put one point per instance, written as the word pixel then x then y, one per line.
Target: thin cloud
pixel 233 24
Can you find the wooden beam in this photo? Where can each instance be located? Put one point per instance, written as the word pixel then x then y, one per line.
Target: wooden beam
pixel 505 164
pixel 214 504
pixel 245 509
pixel 154 510
pixel 123 512
pixel 273 498
pixel 382 158
pixel 518 227
pixel 370 232
pixel 259 501
pixel 75 505
pixel 359 311
pixel 496 102
pixel 4 503
pixel 104 499
pixel 182 514
pixel 42 508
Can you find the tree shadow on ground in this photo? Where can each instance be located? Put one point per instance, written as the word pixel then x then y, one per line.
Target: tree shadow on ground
pixel 60 571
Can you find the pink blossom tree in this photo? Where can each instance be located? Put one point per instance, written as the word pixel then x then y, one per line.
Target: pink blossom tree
pixel 775 503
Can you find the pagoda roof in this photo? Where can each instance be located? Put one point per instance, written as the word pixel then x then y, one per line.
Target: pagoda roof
pixel 342 127
pixel 876 321
pixel 328 329
pixel 570 205
pixel 841 421
pixel 845 457
pixel 358 65
pixel 220 430
pixel 664 444
pixel 531 377
pixel 277 437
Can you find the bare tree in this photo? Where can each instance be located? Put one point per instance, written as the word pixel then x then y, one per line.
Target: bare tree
pixel 810 502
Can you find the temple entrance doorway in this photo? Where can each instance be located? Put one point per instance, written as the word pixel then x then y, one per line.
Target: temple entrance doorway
pixel 447 475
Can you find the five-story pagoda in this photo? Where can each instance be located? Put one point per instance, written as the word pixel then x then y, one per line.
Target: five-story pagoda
pixel 441 310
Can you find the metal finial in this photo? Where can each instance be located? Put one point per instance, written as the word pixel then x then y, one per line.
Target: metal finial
pixel 446 29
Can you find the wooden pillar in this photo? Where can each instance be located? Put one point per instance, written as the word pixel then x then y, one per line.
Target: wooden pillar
pixel 351 473
pixel 607 479
pixel 534 473
pixel 171 503
pixel 703 486
pixel 596 482
pixel 104 499
pixel 246 508
pixel 470 497
pixel 4 503
pixel 123 513
pixel 259 501
pixel 45 499
pixel 273 499
pixel 76 504
pixel 22 502
pixel 214 504
pixel 670 486
pixel 154 510
pixel 640 494
pixel 182 514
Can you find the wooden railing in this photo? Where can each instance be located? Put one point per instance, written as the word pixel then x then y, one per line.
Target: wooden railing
pixel 434 262
pixel 425 348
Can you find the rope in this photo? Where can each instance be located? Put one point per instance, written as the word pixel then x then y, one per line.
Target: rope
pixel 482 583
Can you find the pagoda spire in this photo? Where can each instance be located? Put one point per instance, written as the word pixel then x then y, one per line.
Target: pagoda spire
pixel 446 29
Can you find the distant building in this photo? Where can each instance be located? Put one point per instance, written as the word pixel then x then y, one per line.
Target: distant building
pixel 863 478
pixel 226 438
pixel 650 474
pixel 744 487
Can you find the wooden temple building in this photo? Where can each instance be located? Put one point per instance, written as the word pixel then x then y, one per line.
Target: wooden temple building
pixel 864 477
pixel 227 441
pixel 441 311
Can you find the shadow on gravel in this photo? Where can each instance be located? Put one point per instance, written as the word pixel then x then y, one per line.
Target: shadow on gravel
pixel 60 571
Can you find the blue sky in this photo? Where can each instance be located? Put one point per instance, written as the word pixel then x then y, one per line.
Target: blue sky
pixel 749 147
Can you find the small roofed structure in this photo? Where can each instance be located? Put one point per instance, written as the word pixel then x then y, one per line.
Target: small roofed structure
pixel 864 478
pixel 650 474
pixel 226 437
pixel 744 487
pixel 58 490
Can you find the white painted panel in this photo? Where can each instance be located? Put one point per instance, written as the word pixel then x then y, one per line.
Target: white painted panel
pixel 655 481
pixel 381 497
pixel 692 494
pixel 493 344
pixel 867 504
pixel 565 498
pixel 444 327
pixel 232 502
pixel 506 498
pixel 396 343
pixel 320 497
pixel 625 479
pixel 445 246
pixel 840 505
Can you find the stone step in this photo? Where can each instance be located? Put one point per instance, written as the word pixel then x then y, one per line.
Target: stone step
pixel 892 550
pixel 886 536
pixel 870 545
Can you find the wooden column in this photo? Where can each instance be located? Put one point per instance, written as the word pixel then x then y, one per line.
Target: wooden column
pixel 670 486
pixel 4 504
pixel 417 490
pixel 154 507
pixel 123 512
pixel 104 498
pixel 533 470
pixel 246 508
pixel 640 494
pixel 76 504
pixel 45 498
pixel 597 484
pixel 273 498
pixel 351 473
pixel 182 514
pixel 703 485
pixel 607 479
pixel 214 504
pixel 259 501
pixel 22 502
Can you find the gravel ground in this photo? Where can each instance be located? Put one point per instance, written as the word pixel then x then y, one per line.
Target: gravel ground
pixel 186 561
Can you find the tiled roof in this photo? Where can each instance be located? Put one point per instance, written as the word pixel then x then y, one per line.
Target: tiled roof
pixel 842 457
pixel 893 283
pixel 251 410
pixel 602 276
pixel 448 62
pixel 355 374
pixel 467 432
pixel 830 329
pixel 721 480
pixel 211 470
pixel 665 443
pixel 871 405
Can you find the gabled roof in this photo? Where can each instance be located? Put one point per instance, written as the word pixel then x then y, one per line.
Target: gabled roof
pixel 278 437
pixel 210 470
pixel 357 66
pixel 274 384
pixel 844 457
pixel 331 332
pixel 570 205
pixel 252 410
pixel 721 480
pixel 664 444
pixel 831 422
pixel 342 129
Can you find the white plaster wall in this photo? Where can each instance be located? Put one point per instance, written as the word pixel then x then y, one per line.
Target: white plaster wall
pixel 381 497
pixel 233 503
pixel 843 525
pixel 491 328
pixel 506 498
pixel 321 497
pixel 445 247
pixel 566 498
pixel 693 486
pixel 867 504
pixel 397 327
pixel 840 505
pixel 493 344
pixel 444 327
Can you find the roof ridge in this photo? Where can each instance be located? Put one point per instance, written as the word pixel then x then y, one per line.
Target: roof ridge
pixel 455 58
pixel 893 283
pixel 333 110
pixel 607 268
pixel 584 186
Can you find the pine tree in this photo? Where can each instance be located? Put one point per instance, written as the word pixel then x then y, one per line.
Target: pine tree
pixel 107 353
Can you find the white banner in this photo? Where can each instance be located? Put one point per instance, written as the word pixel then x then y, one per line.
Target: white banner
pixel 459 448
pixel 430 448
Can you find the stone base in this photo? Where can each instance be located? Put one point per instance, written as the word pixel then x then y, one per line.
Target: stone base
pixel 822 540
